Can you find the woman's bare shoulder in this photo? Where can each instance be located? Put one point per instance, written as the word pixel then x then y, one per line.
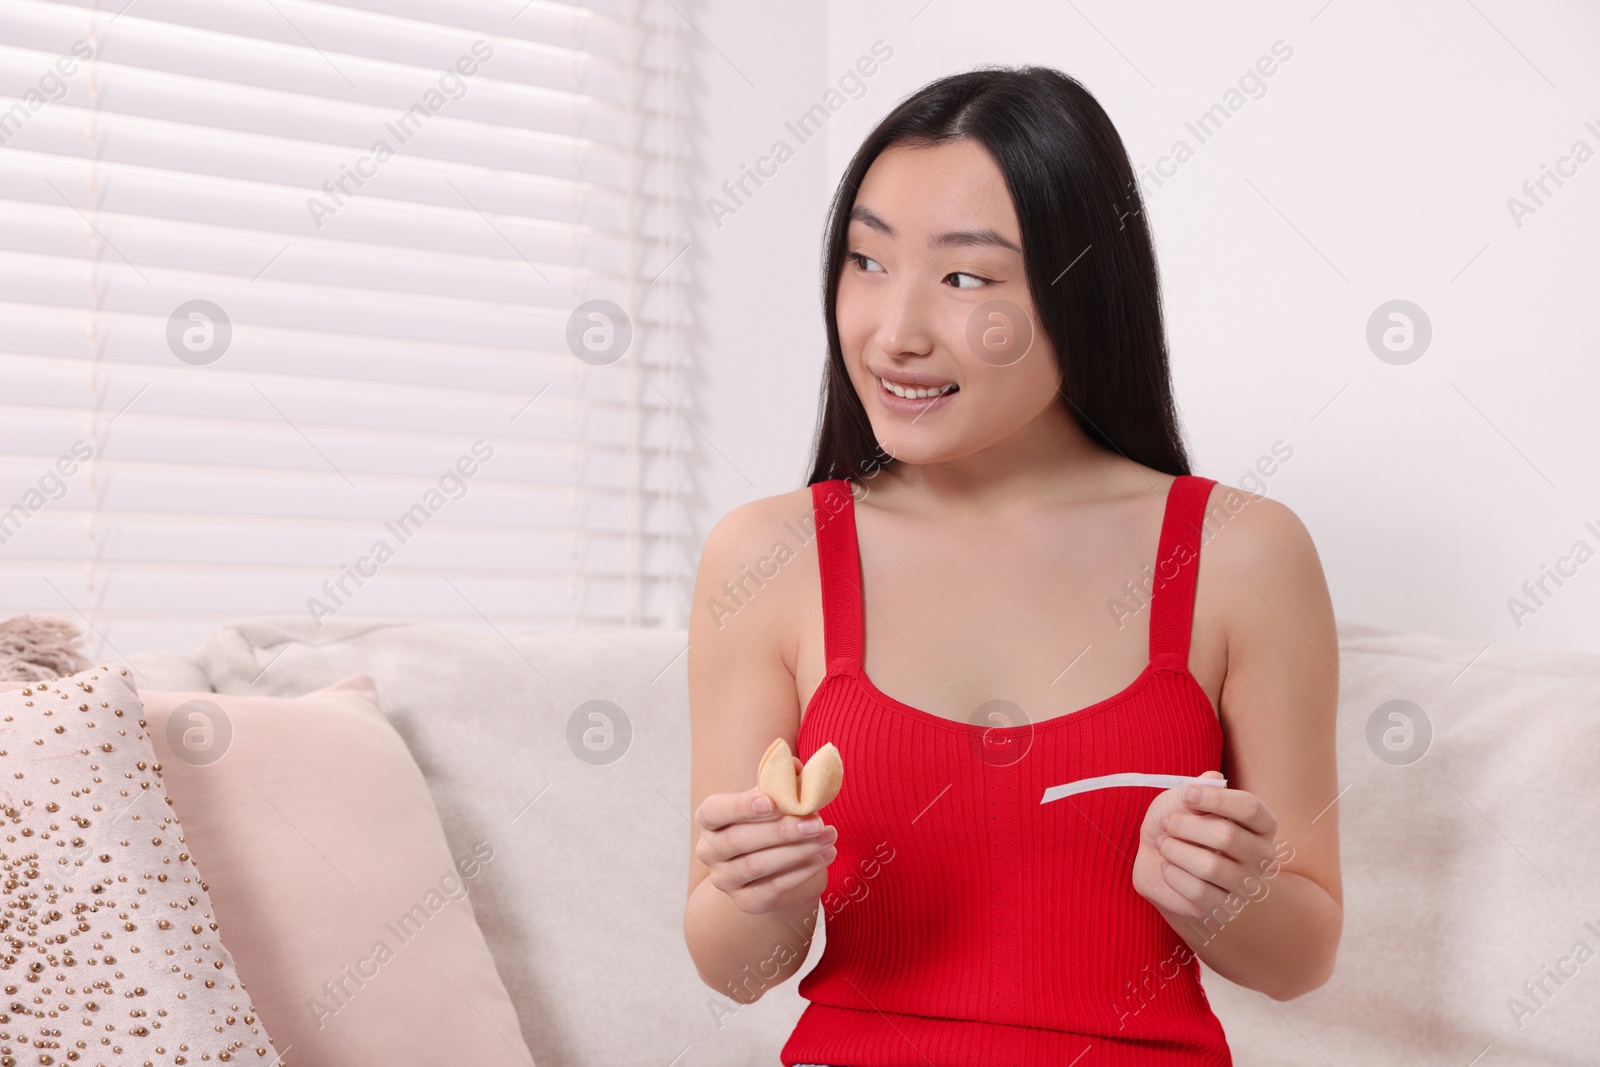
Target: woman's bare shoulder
pixel 742 572
pixel 1249 533
pixel 760 527
pixel 1268 577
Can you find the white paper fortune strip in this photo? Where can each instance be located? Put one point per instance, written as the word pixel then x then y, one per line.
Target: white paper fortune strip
pixel 1111 781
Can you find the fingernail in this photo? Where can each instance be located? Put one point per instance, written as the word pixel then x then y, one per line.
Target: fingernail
pixel 762 805
pixel 1160 838
pixel 811 825
pixel 1192 794
pixel 1163 823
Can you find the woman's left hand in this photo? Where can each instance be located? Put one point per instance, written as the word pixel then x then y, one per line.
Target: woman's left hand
pixel 1193 855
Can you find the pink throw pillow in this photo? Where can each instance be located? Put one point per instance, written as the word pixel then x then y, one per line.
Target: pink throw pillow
pixel 346 911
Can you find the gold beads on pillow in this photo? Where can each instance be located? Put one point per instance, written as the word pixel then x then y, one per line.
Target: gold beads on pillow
pixel 108 945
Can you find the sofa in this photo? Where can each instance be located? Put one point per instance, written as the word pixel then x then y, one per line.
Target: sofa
pixel 1468 822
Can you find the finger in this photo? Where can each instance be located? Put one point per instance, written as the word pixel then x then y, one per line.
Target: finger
pixel 743 838
pixel 1188 887
pixel 1213 868
pixel 1151 889
pixel 719 810
pixel 1217 832
pixel 755 866
pixel 787 881
pixel 1243 807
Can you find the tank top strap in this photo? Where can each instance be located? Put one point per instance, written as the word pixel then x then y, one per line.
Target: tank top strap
pixel 1177 565
pixel 839 560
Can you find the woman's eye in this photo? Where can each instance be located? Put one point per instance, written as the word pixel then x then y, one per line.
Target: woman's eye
pixel 973 278
pixel 862 261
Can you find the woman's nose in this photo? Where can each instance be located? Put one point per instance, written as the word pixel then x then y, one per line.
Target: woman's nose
pixel 905 324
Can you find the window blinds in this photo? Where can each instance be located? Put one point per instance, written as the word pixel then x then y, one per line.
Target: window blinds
pixel 373 307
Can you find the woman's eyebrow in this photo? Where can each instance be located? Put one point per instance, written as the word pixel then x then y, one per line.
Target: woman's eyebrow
pixel 956 239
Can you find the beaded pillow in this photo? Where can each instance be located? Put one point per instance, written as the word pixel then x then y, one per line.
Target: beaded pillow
pixel 110 948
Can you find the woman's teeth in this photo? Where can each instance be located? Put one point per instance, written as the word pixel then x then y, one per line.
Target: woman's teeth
pixel 915 394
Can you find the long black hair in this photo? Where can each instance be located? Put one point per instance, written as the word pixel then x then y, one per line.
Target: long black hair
pixel 1078 207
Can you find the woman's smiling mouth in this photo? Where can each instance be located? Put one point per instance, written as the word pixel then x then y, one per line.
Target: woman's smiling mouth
pixel 902 399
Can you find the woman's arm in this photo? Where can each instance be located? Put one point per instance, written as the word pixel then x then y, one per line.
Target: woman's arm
pixel 742 695
pixel 1259 861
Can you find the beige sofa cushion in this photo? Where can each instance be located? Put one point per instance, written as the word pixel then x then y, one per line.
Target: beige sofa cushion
pixel 1466 872
pixel 167 671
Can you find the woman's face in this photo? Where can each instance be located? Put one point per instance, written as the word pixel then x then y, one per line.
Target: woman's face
pixel 933 293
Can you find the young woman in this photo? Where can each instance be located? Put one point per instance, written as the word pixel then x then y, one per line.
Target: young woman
pixel 1001 577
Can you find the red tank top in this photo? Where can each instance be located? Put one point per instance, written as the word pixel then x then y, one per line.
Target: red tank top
pixel 967 924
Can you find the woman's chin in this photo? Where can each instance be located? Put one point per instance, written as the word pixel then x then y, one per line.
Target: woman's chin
pixel 913 446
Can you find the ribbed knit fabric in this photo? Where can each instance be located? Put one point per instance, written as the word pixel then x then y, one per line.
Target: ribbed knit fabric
pixel 969 925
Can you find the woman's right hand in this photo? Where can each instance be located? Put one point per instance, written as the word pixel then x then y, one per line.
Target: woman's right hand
pixel 764 860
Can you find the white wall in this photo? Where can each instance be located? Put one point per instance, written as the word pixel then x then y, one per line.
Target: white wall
pixel 759 324
pixel 1376 165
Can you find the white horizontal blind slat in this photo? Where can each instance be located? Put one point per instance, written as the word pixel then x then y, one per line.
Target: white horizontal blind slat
pixel 384 324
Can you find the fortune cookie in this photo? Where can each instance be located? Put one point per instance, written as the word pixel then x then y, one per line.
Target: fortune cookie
pixel 797 789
